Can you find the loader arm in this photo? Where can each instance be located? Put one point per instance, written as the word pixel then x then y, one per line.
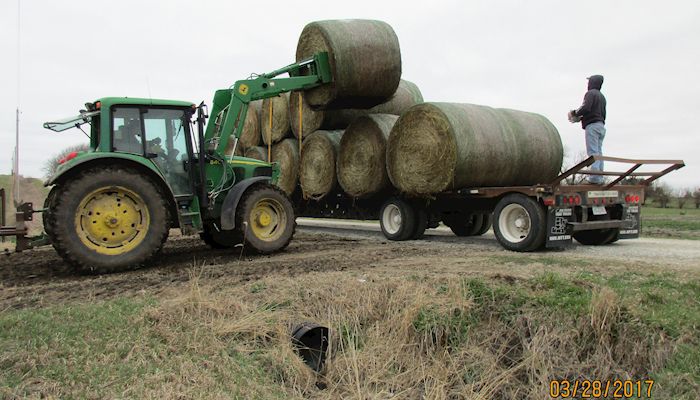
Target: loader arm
pixel 230 106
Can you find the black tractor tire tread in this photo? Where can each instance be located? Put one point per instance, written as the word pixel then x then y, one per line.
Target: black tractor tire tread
pixel 73 190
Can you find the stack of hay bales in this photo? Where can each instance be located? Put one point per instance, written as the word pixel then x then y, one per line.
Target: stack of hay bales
pixel 369 133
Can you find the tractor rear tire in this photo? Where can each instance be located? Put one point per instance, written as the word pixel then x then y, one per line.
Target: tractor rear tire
pixel 108 220
pixel 265 219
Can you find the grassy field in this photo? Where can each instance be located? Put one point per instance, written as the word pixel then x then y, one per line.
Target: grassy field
pixel 671 222
pixel 400 336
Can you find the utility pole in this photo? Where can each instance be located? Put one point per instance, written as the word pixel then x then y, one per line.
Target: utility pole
pixel 15 167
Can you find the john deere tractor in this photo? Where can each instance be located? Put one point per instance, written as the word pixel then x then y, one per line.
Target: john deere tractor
pixel 152 167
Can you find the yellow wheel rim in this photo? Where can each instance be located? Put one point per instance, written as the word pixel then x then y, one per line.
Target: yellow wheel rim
pixel 268 220
pixel 112 220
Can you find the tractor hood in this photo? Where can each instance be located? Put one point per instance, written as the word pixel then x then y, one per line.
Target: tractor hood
pixel 72 122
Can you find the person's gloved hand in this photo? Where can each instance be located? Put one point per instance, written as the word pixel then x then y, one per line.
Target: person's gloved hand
pixel 573 118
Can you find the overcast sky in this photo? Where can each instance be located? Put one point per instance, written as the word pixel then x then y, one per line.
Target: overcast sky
pixel 527 55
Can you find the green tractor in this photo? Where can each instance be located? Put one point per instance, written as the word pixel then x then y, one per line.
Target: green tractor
pixel 152 167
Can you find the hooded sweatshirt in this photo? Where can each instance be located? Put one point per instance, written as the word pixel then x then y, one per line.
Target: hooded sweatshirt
pixel 593 107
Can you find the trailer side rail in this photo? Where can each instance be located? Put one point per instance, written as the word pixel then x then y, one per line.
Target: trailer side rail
pixel 621 175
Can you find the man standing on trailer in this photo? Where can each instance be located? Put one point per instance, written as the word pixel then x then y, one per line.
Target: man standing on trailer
pixel 592 117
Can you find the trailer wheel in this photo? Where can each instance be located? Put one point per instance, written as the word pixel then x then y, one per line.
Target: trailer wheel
pixel 421 223
pixel 598 237
pixel 520 223
pixel 265 219
pixel 465 224
pixel 397 218
pixel 108 220
pixel 486 223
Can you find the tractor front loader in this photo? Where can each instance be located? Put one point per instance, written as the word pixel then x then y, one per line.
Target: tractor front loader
pixel 152 166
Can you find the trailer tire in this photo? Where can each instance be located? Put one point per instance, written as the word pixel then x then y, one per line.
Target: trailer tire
pixel 397 219
pixel 265 219
pixel 464 225
pixel 486 224
pixel 520 223
pixel 598 237
pixel 421 223
pixel 108 220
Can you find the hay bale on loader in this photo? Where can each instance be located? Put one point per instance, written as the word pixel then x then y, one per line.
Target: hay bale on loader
pixel 286 153
pixel 406 96
pixel 251 127
pixel 256 152
pixel 361 164
pixel 365 60
pixel 317 175
pixel 277 110
pixel 434 147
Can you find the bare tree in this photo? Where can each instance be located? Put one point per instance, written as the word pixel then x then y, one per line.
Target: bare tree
pixel 682 197
pixel 53 162
pixel 696 197
pixel 575 179
pixel 660 193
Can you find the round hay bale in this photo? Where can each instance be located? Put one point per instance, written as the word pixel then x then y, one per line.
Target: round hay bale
pixel 362 155
pixel 250 136
pixel 406 96
pixel 365 61
pixel 317 163
pixel 239 151
pixel 435 147
pixel 280 118
pixel 229 147
pixel 311 119
pixel 256 152
pixel 286 153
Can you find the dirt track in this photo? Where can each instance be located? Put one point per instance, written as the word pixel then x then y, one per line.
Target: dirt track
pixel 39 277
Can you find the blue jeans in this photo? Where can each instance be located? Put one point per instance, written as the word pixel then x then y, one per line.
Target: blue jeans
pixel 595 133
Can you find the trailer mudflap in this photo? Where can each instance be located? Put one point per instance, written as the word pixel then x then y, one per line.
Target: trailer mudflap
pixel 559 230
pixel 631 217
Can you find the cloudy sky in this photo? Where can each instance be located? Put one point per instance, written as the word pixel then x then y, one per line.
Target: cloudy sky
pixel 529 55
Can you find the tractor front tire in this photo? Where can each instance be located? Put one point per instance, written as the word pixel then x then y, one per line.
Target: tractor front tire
pixel 108 220
pixel 265 219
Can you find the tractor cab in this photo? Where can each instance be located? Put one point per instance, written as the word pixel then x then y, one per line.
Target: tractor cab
pixel 155 130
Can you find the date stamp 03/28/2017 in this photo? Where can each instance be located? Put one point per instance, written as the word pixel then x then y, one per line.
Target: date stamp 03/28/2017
pixel 593 389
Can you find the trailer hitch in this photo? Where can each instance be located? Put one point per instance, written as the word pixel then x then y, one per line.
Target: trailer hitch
pixel 25 213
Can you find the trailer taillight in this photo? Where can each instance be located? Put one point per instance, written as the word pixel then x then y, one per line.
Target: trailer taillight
pixel 631 199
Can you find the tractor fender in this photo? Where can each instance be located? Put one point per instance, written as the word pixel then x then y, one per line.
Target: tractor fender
pixel 228 208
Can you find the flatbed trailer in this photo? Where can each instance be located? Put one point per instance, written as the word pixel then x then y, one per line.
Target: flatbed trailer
pixel 524 218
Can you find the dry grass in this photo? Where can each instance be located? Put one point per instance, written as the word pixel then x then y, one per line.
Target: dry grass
pixel 408 338
pixel 392 336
